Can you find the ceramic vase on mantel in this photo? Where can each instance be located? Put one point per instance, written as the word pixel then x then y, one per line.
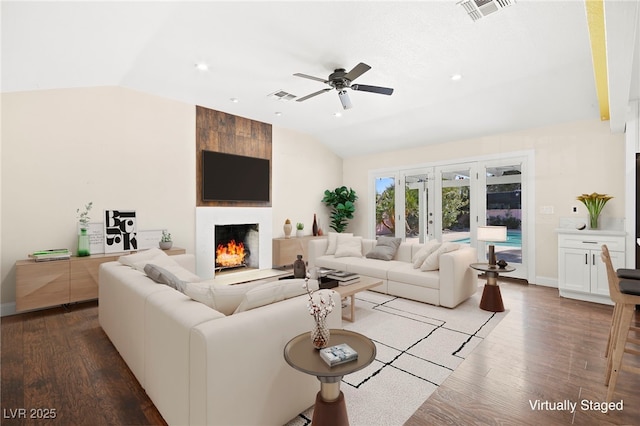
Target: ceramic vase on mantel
pixel 320 334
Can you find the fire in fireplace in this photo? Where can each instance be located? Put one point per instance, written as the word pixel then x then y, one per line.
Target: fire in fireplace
pixel 230 255
pixel 236 246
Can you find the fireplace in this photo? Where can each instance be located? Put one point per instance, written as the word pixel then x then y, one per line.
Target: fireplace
pixel 210 219
pixel 236 247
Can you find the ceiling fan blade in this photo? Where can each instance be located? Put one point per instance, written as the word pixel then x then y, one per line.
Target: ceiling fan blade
pixel 344 99
pixel 319 92
pixel 372 89
pixel 357 71
pixel 310 77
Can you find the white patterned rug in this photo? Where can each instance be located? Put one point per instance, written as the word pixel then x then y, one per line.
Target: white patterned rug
pixel 418 346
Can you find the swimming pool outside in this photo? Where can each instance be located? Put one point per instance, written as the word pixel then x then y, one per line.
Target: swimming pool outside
pixel 514 239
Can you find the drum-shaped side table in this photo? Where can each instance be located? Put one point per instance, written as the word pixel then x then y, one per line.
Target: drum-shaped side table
pixel 491 296
pixel 330 408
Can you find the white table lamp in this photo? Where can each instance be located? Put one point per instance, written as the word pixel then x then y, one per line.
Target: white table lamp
pixel 492 234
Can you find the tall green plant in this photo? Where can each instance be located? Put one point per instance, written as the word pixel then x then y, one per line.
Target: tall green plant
pixel 341 201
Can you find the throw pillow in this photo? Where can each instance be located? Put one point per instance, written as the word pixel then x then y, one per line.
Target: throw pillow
pixel 385 249
pixel 144 256
pixel 226 298
pixel 432 262
pixel 162 276
pixel 170 265
pixel 200 292
pixel 262 295
pixel 333 242
pixel 349 246
pixel 420 256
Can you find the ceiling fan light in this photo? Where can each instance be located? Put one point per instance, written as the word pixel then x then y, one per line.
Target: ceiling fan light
pixel 344 99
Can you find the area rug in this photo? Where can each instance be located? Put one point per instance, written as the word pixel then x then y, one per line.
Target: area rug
pixel 418 346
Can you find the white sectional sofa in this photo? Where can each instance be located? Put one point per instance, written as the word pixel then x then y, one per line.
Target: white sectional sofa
pixel 450 284
pixel 200 366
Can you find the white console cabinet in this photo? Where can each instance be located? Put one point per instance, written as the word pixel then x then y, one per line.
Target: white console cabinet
pixel 581 272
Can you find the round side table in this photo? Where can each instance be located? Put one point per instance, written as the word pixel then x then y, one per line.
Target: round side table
pixel 491 297
pixel 330 408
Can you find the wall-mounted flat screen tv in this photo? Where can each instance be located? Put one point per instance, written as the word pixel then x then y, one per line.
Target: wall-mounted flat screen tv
pixel 230 177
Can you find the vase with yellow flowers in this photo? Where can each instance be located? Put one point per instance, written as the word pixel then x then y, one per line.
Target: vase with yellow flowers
pixel 595 203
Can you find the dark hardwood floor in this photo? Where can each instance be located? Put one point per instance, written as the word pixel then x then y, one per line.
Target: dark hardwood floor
pixel 58 362
pixel 546 348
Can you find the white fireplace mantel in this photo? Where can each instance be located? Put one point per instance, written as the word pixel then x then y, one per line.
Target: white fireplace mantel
pixel 208 217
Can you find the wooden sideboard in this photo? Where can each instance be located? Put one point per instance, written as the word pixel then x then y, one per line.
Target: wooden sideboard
pixel 46 284
pixel 285 250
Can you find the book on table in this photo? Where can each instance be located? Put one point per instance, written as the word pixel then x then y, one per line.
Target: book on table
pixel 349 282
pixel 53 254
pixel 343 276
pixel 338 354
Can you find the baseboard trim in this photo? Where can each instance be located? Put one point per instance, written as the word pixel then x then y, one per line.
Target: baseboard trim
pixel 7 309
pixel 547 281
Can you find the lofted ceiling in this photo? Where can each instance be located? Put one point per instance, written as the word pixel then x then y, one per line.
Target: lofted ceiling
pixel 526 66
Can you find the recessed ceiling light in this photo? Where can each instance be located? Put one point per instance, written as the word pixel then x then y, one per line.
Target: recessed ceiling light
pixel 337 114
pixel 202 66
pixel 278 113
pixel 234 100
pixel 456 77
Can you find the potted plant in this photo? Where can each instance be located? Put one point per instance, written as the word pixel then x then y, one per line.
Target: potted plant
pixel 165 240
pixel 595 203
pixel 341 201
pixel 83 226
pixel 299 229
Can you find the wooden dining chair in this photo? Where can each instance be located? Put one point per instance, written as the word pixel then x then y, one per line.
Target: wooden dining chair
pixel 625 294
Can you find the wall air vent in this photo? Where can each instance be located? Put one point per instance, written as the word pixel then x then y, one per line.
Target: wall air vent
pixel 480 8
pixel 281 95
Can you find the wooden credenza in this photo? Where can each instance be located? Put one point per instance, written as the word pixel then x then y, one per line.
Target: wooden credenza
pixel 46 284
pixel 285 250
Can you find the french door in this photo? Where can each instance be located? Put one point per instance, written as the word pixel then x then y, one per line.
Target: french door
pixel 449 202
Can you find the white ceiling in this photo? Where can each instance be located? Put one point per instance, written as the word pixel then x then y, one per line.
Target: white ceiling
pixel 526 66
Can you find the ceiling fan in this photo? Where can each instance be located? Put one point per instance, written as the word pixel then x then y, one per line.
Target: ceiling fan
pixel 341 80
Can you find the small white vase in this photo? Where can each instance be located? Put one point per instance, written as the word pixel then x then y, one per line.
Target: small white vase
pixel 165 245
pixel 299 233
pixel 287 230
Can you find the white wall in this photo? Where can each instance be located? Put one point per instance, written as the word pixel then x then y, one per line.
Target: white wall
pixel 302 169
pixel 123 149
pixel 570 159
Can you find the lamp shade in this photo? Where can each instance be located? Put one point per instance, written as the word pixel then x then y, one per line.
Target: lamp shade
pixel 492 233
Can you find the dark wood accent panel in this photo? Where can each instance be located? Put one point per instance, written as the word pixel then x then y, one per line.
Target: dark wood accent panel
pixel 230 134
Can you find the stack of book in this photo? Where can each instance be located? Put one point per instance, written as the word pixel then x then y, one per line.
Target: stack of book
pixel 338 354
pixel 344 278
pixel 48 255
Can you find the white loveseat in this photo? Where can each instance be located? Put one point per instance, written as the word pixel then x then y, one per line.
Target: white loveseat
pixel 453 282
pixel 200 366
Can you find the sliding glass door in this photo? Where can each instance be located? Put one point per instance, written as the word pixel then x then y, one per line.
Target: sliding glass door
pixel 455 203
pixel 418 213
pixel 504 205
pixel 449 202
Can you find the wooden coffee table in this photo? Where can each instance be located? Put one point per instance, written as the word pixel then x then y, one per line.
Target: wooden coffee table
pixel 350 290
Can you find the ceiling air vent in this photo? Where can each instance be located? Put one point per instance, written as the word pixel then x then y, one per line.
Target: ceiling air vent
pixel 480 8
pixel 281 95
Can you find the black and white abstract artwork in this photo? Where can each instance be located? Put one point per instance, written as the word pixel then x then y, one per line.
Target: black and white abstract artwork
pixel 120 231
